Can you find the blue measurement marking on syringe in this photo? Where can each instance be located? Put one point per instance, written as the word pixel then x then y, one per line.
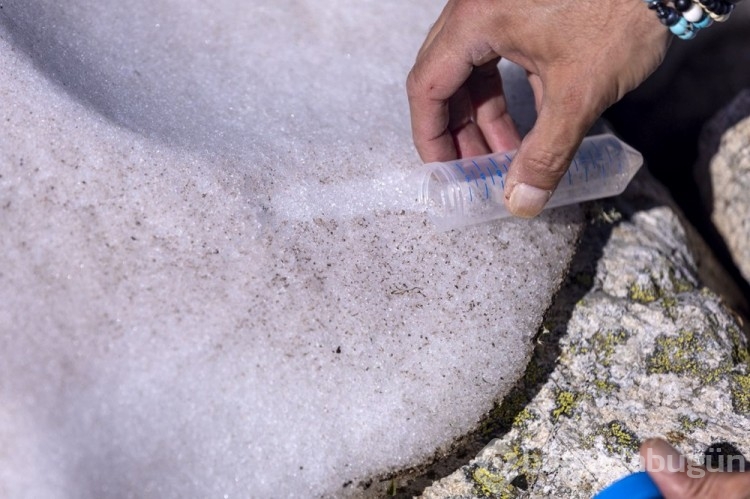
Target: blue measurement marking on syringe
pixel 499 172
pixel 492 177
pixel 510 160
pixel 467 177
pixel 484 178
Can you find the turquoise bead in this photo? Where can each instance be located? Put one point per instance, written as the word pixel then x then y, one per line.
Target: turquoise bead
pixel 680 27
pixel 688 35
pixel 705 22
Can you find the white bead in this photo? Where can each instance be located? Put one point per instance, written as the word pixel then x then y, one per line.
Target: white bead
pixel 693 14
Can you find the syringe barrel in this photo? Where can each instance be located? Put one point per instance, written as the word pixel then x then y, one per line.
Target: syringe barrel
pixel 471 190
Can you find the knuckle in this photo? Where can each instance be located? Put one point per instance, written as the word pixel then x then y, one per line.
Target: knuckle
pixel 414 85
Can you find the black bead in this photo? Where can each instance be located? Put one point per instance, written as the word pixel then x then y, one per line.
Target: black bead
pixel 662 14
pixel 673 17
pixel 683 5
pixel 711 5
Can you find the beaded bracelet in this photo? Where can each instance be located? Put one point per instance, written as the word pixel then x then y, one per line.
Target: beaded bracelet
pixel 685 18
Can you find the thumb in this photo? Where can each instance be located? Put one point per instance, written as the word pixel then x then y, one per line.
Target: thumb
pixel 547 151
pixel 678 478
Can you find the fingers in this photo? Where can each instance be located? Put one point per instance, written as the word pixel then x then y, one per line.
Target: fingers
pixel 457 109
pixel 440 71
pixel 536 86
pixel 565 115
pixel 467 136
pixel 677 478
pixel 485 87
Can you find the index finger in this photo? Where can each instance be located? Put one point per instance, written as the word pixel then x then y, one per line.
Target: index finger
pixel 440 70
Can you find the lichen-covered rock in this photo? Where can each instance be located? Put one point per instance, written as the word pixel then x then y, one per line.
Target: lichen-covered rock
pixel 723 173
pixel 634 347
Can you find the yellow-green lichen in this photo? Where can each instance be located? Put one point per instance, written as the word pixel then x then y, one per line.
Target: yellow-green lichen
pixel 605 386
pixel 669 304
pixel 676 437
pixel 618 438
pixel 565 402
pixel 741 393
pixel 523 418
pixel 603 344
pixel 740 353
pixel 644 294
pixel 504 415
pixel 490 483
pixel 689 425
pixel 681 355
pixel 516 458
pixel 679 285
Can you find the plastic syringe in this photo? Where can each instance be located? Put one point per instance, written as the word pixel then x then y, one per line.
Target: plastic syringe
pixel 471 190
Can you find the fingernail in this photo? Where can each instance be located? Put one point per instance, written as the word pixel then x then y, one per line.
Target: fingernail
pixel 527 201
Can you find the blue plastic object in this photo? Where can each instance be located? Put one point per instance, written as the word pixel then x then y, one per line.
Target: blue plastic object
pixel 636 486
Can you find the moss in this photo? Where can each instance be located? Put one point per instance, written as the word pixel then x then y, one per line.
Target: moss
pixel 534 373
pixel 741 393
pixel 644 294
pixel 618 438
pixel 584 279
pixel 504 415
pixel 690 425
pixel 392 488
pixel 565 402
pixel 491 483
pixel 681 355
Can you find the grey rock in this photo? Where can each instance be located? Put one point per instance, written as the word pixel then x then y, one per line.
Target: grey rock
pixel 634 347
pixel 723 173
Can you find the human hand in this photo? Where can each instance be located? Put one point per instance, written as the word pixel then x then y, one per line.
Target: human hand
pixel 689 481
pixel 581 56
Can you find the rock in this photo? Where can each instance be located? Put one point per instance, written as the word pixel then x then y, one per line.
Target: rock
pixel 723 172
pixel 211 284
pixel 633 347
